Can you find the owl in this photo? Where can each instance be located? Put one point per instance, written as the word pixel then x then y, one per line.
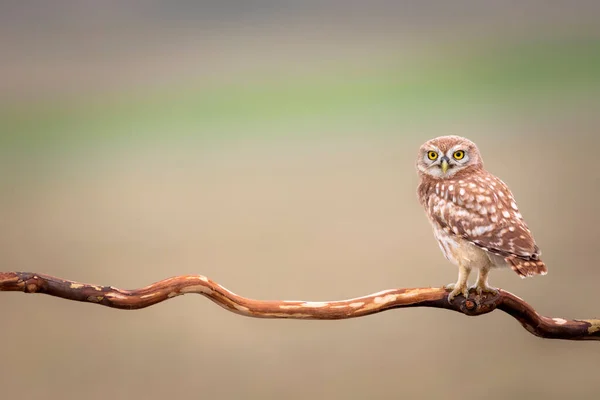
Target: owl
pixel 474 215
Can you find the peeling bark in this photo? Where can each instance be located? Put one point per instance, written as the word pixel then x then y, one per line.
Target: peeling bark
pixel 544 327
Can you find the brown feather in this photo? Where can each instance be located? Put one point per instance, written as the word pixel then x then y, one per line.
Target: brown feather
pixel 527 268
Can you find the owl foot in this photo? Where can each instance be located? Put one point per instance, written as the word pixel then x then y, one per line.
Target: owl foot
pixel 455 290
pixel 481 288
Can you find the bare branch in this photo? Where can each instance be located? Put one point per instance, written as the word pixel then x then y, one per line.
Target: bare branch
pixel 545 327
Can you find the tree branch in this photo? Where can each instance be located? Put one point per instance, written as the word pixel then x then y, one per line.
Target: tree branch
pixel 545 327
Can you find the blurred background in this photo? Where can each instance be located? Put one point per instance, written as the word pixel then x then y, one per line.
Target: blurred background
pixel 270 145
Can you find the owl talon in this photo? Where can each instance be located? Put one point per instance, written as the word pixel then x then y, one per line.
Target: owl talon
pixel 484 288
pixel 456 290
pixel 450 286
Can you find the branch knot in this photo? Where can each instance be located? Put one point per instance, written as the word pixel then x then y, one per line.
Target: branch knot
pixel 479 304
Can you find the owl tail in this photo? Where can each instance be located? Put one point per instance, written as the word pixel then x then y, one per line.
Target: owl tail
pixel 527 268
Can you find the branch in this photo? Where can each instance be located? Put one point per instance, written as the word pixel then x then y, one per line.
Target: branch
pixel 545 327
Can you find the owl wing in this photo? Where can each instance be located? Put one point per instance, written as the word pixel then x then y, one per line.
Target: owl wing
pixel 482 210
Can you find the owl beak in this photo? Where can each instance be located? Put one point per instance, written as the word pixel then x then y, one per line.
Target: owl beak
pixel 445 165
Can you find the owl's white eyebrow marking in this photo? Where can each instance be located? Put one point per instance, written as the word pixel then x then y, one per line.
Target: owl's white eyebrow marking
pixel 435 148
pixel 454 148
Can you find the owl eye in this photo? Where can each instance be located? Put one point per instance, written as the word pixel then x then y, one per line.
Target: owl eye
pixel 432 155
pixel 459 155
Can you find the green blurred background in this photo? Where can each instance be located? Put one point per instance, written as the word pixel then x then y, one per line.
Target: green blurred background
pixel 270 145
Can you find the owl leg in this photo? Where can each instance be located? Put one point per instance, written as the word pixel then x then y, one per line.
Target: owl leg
pixel 460 287
pixel 482 282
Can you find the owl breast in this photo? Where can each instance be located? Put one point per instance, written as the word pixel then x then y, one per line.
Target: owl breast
pixel 456 250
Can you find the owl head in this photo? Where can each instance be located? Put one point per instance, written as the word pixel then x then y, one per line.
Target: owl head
pixel 447 156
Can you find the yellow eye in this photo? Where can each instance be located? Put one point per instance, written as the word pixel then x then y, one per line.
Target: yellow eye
pixel 459 155
pixel 432 155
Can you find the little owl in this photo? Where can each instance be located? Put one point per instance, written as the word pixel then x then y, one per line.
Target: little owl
pixel 474 215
